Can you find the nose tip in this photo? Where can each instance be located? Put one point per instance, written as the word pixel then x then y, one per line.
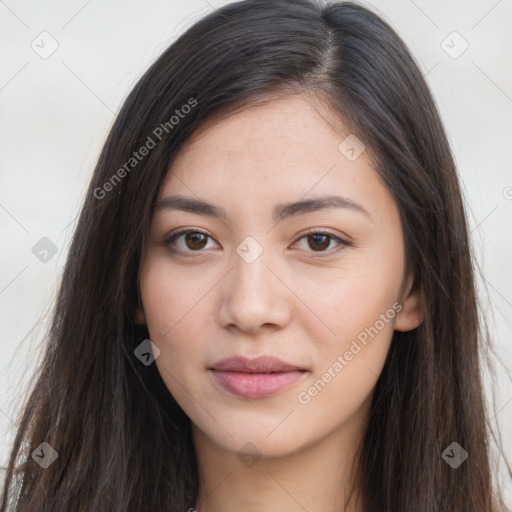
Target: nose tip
pixel 252 295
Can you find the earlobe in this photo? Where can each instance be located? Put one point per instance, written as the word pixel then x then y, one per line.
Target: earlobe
pixel 412 313
pixel 140 318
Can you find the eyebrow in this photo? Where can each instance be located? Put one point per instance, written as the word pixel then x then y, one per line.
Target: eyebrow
pixel 279 213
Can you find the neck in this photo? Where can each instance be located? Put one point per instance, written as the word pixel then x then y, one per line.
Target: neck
pixel 314 479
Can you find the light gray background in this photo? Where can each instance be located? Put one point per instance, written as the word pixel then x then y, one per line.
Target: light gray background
pixel 56 111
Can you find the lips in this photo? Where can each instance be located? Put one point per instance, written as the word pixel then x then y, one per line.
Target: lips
pixel 262 364
pixel 255 378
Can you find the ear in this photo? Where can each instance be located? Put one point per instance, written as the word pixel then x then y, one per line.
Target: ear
pixel 140 318
pixel 413 307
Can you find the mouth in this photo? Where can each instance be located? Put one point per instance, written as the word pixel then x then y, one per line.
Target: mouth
pixel 255 378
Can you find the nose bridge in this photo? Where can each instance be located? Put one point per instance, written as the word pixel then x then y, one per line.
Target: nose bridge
pixel 253 295
pixel 251 276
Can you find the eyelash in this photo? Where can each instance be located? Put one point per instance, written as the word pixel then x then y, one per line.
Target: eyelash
pixel 342 243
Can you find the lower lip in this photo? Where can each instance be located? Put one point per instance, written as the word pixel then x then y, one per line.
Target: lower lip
pixel 256 385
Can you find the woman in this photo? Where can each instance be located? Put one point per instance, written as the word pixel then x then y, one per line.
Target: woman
pixel 269 300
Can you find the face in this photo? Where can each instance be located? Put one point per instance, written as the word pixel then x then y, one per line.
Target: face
pixel 313 290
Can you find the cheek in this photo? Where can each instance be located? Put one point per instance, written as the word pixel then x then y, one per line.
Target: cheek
pixel 348 365
pixel 170 297
pixel 175 308
pixel 359 307
pixel 351 299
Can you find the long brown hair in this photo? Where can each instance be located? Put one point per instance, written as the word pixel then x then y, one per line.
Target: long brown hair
pixel 123 443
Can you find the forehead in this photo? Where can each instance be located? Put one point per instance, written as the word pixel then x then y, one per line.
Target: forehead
pixel 294 135
pixel 285 149
pixel 296 120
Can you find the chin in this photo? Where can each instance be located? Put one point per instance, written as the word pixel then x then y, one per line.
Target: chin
pixel 266 437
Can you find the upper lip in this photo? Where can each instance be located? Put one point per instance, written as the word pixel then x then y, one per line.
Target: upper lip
pixel 261 364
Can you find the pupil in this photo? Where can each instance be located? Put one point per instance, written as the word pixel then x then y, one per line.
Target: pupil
pixel 194 240
pixel 317 239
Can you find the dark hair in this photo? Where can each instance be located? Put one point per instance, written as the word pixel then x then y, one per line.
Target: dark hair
pixel 123 442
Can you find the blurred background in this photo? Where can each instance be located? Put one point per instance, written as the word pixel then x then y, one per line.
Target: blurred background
pixel 66 70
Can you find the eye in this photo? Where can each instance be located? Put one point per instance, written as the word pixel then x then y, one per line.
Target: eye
pixel 194 240
pixel 188 240
pixel 320 241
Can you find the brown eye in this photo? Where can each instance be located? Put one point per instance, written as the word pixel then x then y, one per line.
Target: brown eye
pixel 187 241
pixel 319 242
pixel 195 240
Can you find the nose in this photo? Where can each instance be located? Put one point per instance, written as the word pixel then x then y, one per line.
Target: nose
pixel 253 297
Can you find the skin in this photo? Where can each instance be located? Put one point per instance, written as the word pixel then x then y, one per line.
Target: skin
pixel 301 301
